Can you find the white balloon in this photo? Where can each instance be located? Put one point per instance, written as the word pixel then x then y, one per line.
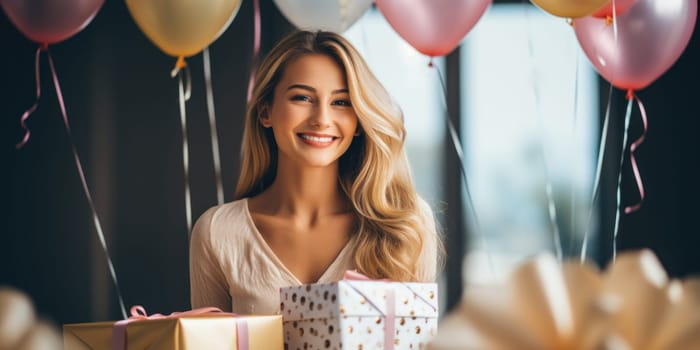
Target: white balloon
pixel 43 336
pixel 330 15
pixel 16 317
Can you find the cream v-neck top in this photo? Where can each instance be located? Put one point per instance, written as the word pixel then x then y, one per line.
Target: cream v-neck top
pixel 233 268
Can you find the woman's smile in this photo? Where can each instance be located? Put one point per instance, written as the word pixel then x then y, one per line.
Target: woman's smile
pixel 317 140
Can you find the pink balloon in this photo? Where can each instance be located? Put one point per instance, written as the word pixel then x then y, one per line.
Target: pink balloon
pixel 50 21
pixel 433 27
pixel 607 10
pixel 652 34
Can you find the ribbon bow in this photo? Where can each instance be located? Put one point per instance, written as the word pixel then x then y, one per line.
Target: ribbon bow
pixel 353 275
pixel 138 313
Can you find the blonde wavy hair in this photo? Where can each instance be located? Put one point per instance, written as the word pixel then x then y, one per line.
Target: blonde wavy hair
pixel 394 224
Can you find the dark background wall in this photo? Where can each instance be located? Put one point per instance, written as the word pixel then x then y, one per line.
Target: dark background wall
pixel 123 109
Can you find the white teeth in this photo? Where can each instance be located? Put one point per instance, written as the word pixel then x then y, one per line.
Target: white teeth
pixel 317 138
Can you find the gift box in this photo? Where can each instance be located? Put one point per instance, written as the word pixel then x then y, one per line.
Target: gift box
pixel 359 314
pixel 185 331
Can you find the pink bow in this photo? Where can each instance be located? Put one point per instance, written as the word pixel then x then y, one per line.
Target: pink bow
pixel 138 313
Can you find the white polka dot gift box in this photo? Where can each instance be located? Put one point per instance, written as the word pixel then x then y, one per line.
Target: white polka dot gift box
pixel 358 313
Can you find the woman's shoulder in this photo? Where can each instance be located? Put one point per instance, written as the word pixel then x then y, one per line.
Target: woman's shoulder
pixel 230 210
pixel 222 221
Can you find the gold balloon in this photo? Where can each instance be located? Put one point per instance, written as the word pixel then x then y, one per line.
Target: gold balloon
pixel 570 8
pixel 183 28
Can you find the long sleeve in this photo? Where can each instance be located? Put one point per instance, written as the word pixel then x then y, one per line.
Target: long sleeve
pixel 207 281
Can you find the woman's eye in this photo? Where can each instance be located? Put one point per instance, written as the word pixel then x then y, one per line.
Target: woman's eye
pixel 344 103
pixel 303 98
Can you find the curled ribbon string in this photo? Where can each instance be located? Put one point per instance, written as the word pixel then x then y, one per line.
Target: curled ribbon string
pixel 633 147
pixel 95 218
pixel 256 47
pixel 551 207
pixel 596 181
pixel 138 313
pixel 181 65
pixel 184 96
pixel 28 112
pixel 618 192
pixel 457 144
pixel 212 127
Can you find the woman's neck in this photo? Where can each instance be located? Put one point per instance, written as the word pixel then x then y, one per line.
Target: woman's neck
pixel 305 191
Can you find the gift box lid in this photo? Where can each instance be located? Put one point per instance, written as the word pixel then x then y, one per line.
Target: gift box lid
pixel 206 331
pixel 357 298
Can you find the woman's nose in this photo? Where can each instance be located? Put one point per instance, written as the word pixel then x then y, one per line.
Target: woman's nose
pixel 320 117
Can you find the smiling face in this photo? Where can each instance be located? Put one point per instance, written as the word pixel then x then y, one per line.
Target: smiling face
pixel 311 116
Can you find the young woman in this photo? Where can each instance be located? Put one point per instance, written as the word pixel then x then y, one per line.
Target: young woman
pixel 325 185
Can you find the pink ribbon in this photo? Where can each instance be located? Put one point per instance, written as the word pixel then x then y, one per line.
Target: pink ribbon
pixel 389 315
pixel 81 173
pixel 30 110
pixel 633 147
pixel 138 313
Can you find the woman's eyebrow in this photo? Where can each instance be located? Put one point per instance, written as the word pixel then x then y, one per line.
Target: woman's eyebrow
pixel 301 86
pixel 309 88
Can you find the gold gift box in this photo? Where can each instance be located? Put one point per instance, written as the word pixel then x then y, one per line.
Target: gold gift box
pixel 181 333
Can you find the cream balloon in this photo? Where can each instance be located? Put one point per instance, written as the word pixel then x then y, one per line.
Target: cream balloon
pixel 332 15
pixel 16 317
pixel 43 336
pixel 183 28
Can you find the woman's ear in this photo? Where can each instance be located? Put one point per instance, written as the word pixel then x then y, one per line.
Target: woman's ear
pixel 264 117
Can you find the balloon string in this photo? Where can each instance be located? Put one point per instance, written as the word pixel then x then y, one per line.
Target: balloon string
pixel 181 65
pixel 343 13
pixel 95 218
pixel 184 96
pixel 458 150
pixel 633 147
pixel 256 47
pixel 596 181
pixel 574 146
pixel 616 230
pixel 551 207
pixel 365 40
pixel 212 127
pixel 608 20
pixel 28 112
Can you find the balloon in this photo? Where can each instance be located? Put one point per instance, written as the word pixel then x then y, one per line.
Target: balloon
pixel 16 317
pixel 570 8
pixel 336 16
pixel 44 336
pixel 652 34
pixel 607 10
pixel 183 28
pixel 50 21
pixel 433 27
